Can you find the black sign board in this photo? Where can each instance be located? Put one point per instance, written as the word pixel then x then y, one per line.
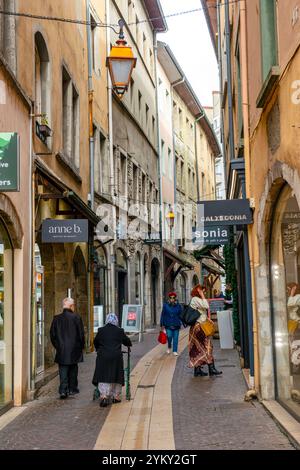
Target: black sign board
pixel 9 161
pixel 152 238
pixel 216 305
pixel 65 231
pixel 224 212
pixel 212 235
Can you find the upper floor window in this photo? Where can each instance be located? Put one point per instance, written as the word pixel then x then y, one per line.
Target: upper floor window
pixel 140 103
pixel 163 157
pixel 95 45
pixel 101 166
pixel 268 36
pixel 70 104
pixel 151 62
pixel 147 114
pixel 42 84
pixel 170 164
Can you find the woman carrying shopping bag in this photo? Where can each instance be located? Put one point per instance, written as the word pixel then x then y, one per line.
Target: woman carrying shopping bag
pixel 200 342
pixel 170 321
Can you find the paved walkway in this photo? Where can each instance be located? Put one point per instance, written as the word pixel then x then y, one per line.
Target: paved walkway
pixel 170 409
pixel 51 423
pixel 210 413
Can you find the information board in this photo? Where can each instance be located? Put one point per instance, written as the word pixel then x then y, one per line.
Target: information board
pixel 216 305
pixel 131 318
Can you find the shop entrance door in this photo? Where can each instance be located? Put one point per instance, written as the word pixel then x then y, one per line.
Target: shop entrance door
pixel 39 305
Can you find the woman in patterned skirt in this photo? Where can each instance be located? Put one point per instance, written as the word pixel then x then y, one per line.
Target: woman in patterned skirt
pixel 200 346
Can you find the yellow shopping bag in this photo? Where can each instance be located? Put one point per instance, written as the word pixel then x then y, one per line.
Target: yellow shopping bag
pixel 208 327
pixel 292 326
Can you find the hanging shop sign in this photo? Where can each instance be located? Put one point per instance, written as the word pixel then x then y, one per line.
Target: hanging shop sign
pixel 9 162
pixel 225 212
pixel 211 235
pixel 65 231
pixel 132 318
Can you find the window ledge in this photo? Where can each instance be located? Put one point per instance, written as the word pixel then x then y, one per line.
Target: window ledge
pixel 69 166
pixel 268 86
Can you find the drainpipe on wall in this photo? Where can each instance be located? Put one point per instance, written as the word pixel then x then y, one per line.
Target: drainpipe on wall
pixel 196 155
pixel 112 261
pixel 245 100
pixel 91 158
pixel 197 176
pixel 221 95
pixel 32 264
pixel 229 79
pixel 159 163
pixel 173 84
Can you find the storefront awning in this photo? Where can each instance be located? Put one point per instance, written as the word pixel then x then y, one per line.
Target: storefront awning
pixel 212 269
pixel 177 258
pixel 69 195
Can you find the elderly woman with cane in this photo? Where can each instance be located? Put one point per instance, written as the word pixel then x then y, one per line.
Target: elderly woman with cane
pixel 200 345
pixel 109 371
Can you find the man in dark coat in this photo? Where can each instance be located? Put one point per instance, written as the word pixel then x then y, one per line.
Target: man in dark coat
pixel 67 336
pixel 109 371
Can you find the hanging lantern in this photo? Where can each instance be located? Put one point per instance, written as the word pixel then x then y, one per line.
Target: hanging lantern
pixel 120 63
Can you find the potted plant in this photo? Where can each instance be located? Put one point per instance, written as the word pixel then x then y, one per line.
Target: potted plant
pixel 44 127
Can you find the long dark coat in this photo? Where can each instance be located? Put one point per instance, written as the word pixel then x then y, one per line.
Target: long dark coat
pixel 109 362
pixel 67 336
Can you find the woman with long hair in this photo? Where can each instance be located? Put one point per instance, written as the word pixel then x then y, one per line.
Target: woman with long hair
pixel 200 345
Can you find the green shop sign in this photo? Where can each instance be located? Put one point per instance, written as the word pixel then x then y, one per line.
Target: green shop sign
pixel 9 162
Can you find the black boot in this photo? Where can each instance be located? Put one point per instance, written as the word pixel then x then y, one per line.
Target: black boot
pixel 212 370
pixel 198 372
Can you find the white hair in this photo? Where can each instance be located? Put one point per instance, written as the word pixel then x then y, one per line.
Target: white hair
pixel 68 302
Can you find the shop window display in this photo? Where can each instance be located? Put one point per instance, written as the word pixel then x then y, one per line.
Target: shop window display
pixel 285 275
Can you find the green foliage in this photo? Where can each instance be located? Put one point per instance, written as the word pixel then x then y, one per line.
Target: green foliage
pixel 231 278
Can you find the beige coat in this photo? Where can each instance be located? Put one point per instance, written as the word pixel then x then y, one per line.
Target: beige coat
pixel 202 306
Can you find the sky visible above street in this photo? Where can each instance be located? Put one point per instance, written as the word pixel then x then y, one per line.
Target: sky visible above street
pixel 189 39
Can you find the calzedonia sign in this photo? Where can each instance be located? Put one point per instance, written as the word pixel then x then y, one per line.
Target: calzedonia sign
pixel 224 212
pixel 9 162
pixel 65 231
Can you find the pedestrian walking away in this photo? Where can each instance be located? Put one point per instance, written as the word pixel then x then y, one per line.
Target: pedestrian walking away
pixel 109 370
pixel 200 345
pixel 170 321
pixel 67 337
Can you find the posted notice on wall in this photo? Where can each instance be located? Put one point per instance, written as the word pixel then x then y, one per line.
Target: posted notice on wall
pixel 132 318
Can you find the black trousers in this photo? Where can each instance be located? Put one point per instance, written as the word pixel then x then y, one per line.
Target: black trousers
pixel 68 376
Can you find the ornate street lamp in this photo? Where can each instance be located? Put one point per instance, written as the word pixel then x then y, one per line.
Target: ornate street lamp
pixel 120 63
pixel 170 218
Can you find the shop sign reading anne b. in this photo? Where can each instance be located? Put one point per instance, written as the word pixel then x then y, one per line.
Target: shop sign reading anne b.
pixel 65 231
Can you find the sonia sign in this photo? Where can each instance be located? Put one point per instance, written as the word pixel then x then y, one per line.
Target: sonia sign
pixel 9 161
pixel 224 212
pixel 65 231
pixel 211 235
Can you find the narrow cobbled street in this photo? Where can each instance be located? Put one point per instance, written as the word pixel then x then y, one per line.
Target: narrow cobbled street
pixel 170 409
